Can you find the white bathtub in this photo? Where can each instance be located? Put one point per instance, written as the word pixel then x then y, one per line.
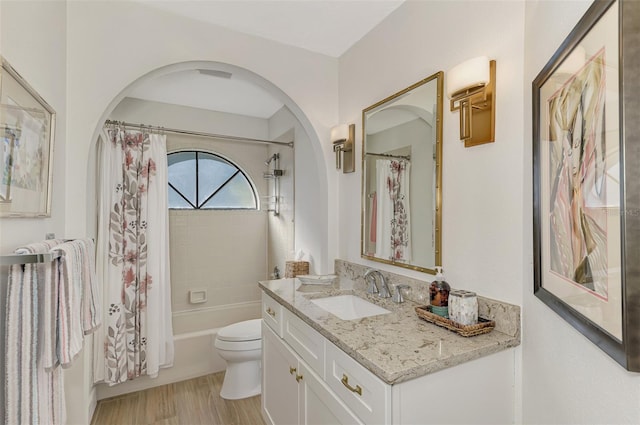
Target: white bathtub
pixel 194 332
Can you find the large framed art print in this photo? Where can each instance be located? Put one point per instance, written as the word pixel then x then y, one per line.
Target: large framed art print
pixel 27 126
pixel 586 180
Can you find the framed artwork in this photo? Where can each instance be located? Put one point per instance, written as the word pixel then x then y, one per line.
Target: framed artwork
pixel 586 183
pixel 27 128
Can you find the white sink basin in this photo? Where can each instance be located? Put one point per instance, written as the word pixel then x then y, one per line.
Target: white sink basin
pixel 349 307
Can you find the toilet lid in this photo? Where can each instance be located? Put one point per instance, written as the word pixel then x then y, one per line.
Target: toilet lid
pixel 248 330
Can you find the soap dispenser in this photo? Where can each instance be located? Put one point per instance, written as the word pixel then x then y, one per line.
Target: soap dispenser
pixel 439 295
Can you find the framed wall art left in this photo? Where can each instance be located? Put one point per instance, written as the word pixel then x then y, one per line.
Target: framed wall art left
pixel 27 130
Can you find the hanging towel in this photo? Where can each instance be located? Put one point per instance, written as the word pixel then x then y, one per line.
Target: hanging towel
pixel 81 265
pixel 21 396
pixel 78 305
pixel 32 393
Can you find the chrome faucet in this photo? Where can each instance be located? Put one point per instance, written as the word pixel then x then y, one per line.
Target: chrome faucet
pixel 398 297
pixel 370 278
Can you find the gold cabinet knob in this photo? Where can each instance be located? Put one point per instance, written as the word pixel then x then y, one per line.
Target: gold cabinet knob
pixel 298 377
pixel 292 370
pixel 271 312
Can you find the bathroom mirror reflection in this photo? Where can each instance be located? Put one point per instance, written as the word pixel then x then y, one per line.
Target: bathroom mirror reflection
pixel 402 177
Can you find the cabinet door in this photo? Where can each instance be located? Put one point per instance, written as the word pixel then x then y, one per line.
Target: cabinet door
pixel 318 404
pixel 279 385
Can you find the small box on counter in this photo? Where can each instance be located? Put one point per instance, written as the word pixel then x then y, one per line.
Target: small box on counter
pixel 295 268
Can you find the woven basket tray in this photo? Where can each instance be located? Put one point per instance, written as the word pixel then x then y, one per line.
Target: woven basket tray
pixel 295 268
pixel 482 327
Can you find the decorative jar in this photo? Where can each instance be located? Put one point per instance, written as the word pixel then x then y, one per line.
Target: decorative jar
pixel 463 307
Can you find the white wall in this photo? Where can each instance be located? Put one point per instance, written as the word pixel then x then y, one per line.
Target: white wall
pixel 483 212
pixel 308 218
pixel 566 378
pixel 111 45
pixel 144 39
pixel 281 228
pixel 33 41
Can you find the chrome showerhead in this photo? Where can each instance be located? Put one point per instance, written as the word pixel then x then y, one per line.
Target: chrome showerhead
pixel 274 156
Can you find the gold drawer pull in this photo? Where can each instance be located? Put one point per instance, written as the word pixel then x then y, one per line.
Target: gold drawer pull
pixel 345 382
pixel 292 370
pixel 298 378
pixel 271 312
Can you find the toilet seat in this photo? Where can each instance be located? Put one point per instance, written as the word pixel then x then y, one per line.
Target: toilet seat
pixel 249 330
pixel 256 344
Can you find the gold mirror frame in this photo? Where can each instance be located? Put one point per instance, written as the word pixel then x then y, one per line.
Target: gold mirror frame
pixel 437 230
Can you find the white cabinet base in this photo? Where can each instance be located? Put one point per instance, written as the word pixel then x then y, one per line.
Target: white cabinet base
pixel 478 392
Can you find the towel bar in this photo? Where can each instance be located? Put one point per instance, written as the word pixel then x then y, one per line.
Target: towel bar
pixel 46 257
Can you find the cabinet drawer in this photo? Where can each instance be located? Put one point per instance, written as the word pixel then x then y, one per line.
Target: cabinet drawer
pixel 272 314
pixel 305 341
pixel 363 392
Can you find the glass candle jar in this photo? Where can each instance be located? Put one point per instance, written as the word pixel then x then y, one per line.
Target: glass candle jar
pixel 463 307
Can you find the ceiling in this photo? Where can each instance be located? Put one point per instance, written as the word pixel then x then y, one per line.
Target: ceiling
pixel 329 27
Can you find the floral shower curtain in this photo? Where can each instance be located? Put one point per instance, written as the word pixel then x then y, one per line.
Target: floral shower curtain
pixel 133 257
pixel 393 228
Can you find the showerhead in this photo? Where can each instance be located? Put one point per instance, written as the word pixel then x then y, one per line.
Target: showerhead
pixel 274 156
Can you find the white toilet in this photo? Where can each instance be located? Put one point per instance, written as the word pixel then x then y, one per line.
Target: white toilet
pixel 240 345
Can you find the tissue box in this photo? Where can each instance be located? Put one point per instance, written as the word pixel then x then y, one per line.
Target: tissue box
pixel 295 268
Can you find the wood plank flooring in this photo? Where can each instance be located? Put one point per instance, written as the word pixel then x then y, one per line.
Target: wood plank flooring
pixel 193 402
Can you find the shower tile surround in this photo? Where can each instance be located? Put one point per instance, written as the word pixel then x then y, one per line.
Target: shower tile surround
pixel 397 346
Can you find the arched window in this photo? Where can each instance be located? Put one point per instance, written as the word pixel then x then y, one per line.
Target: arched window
pixel 201 180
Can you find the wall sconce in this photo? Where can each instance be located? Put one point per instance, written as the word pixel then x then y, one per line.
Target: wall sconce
pixel 342 137
pixel 471 86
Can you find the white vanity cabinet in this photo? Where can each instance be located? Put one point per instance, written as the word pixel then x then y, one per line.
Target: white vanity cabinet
pixel 292 393
pixel 309 380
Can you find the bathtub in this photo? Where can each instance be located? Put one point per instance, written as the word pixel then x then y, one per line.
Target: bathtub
pixel 194 332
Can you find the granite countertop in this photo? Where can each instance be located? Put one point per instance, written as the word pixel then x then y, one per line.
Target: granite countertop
pixel 397 346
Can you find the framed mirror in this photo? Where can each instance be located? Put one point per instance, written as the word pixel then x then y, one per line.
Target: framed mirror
pixel 402 177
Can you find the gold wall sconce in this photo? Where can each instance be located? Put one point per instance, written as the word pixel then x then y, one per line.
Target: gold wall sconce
pixel 343 137
pixel 471 86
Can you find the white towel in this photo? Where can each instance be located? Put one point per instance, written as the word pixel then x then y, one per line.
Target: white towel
pixel 70 332
pixel 79 310
pixel 91 300
pixel 32 394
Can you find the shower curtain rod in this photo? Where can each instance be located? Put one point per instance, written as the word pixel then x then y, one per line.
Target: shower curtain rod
pixel 197 133
pixel 407 157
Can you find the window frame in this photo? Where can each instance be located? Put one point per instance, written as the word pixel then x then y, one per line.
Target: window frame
pixel 224 158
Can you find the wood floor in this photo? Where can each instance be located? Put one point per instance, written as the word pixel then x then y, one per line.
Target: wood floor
pixel 192 402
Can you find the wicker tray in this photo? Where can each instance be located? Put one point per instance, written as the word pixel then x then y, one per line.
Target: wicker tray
pixel 482 327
